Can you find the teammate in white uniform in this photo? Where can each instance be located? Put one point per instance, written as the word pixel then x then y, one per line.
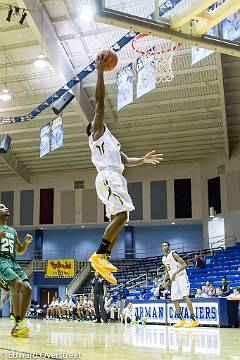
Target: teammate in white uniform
pixel 111 186
pixel 175 268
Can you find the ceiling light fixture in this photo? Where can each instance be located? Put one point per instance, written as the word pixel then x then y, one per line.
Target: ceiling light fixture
pixel 10 12
pixel 6 94
pixel 212 212
pixel 41 61
pixel 23 17
pixel 86 13
pixel 19 12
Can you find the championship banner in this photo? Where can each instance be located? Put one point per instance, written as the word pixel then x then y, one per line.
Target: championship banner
pixel 60 268
pixel 231 27
pixel 146 79
pixel 57 133
pixel 125 86
pixel 44 140
pixel 199 54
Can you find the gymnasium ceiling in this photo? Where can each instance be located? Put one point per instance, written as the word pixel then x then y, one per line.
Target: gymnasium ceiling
pixel 185 120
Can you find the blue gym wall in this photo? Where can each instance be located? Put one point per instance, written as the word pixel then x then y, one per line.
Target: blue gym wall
pixel 149 239
pixel 81 242
pixel 29 254
pixel 78 243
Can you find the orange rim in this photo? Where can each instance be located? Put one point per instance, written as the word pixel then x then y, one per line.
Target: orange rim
pixel 139 51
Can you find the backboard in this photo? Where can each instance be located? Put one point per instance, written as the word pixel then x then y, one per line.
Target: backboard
pixel 186 21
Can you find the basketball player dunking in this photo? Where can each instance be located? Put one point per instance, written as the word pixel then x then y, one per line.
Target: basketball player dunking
pixel 111 186
pixel 176 269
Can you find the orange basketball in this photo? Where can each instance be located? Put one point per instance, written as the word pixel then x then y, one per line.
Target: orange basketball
pixel 113 59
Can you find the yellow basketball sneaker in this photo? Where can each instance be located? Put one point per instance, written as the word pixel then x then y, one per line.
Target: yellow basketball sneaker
pixel 20 330
pixel 192 323
pixel 101 260
pixel 179 324
pixel 105 274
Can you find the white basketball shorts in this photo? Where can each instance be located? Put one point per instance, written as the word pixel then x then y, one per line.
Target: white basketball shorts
pixel 112 190
pixel 180 287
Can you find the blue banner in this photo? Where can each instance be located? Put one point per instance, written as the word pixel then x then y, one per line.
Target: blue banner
pixel 211 311
pixel 44 140
pixel 57 133
pixel 125 86
pixel 167 6
pixel 231 27
pixel 199 54
pixel 146 79
pixel 69 85
pixel 151 312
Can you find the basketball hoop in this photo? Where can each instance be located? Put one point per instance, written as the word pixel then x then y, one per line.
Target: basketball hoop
pixel 158 52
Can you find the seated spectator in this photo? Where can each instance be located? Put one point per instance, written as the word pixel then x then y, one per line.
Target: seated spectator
pixel 157 281
pixel 128 314
pixel 91 306
pixel 165 289
pixel 206 287
pixel 73 308
pixel 144 295
pixel 200 294
pixel 211 291
pixel 218 292
pixel 80 307
pixel 235 295
pixel 199 261
pixel 155 293
pixel 85 306
pixel 52 307
pixel 120 305
pixel 66 307
pixel 123 291
pixel 108 305
pixel 58 305
pixel 225 287
pixel 115 310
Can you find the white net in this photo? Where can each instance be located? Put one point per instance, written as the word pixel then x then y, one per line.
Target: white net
pixel 159 53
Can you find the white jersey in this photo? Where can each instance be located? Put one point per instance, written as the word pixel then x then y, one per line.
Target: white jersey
pixel 172 265
pixel 106 152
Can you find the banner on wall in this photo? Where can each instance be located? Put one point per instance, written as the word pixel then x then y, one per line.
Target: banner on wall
pixel 231 27
pixel 125 86
pixel 44 140
pixel 60 268
pixel 152 312
pixel 57 133
pixel 199 54
pixel 207 313
pixel 146 78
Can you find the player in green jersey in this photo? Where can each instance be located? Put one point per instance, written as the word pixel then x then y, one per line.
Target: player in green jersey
pixel 11 274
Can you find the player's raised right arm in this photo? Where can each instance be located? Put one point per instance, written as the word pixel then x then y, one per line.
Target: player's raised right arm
pixel 98 120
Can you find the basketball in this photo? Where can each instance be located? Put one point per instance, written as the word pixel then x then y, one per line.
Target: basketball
pixel 113 59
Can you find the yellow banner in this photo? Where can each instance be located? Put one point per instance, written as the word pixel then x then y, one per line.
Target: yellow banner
pixel 60 268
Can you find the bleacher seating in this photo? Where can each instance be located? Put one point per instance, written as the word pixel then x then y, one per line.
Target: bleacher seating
pixel 223 263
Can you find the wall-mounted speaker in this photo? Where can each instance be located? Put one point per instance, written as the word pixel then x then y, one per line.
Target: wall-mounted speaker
pixel 61 103
pixel 5 142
